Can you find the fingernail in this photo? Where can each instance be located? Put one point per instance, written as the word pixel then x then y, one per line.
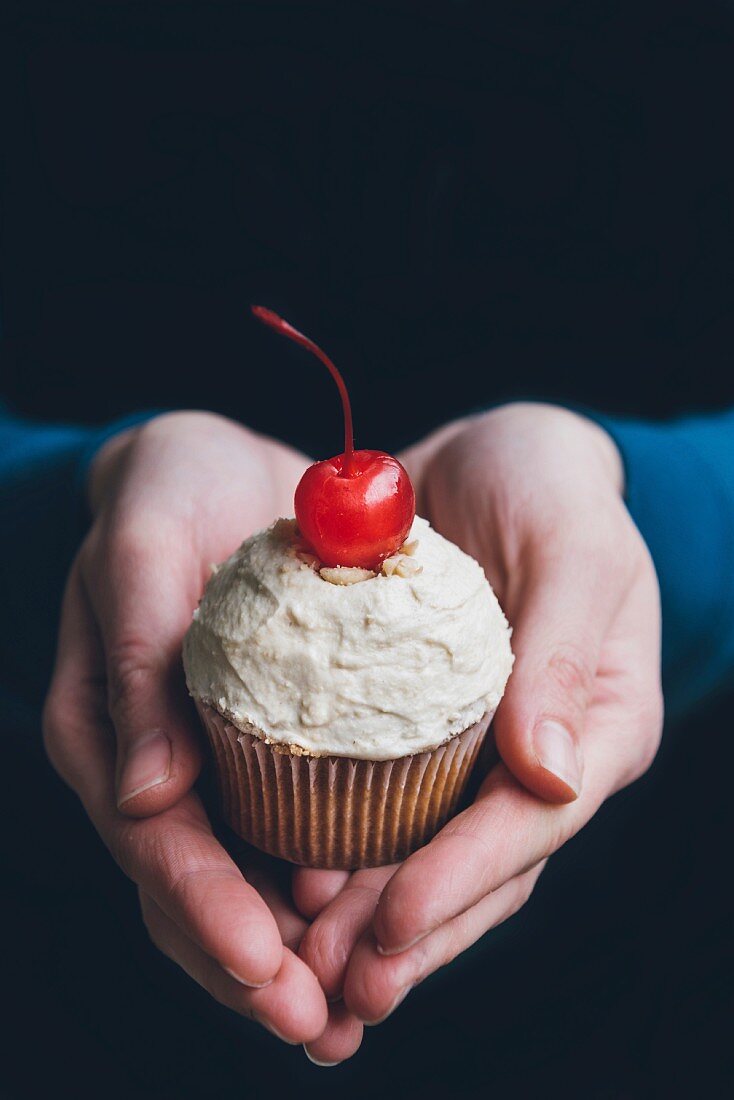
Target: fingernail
pixel 388 951
pixel 273 1030
pixel 244 981
pixel 147 764
pixel 324 1065
pixel 396 1003
pixel 556 751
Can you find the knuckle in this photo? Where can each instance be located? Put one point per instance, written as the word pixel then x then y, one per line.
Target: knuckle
pixel 131 542
pixel 130 538
pixel 132 846
pixel 599 543
pixel 319 951
pixel 193 887
pixel 184 879
pixel 375 994
pixel 137 532
pixel 571 672
pixel 130 668
pixel 153 855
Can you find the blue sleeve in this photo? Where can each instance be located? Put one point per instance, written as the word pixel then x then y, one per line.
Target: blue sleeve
pixel 680 493
pixel 43 517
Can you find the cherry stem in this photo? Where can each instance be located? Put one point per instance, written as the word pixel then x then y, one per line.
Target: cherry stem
pixel 272 320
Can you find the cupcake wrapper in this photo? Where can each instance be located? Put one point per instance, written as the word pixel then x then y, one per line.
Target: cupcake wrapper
pixel 333 811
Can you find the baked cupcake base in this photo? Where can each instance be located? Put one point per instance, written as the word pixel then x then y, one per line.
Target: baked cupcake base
pixel 333 811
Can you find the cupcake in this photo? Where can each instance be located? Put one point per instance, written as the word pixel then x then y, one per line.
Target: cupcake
pixel 345 707
pixel 346 666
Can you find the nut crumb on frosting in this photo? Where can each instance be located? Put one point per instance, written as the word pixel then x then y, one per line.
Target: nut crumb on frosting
pixel 400 566
pixel 389 565
pixel 309 559
pixel 345 574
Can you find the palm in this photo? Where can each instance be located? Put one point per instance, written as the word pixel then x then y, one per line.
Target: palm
pixel 177 497
pixel 533 493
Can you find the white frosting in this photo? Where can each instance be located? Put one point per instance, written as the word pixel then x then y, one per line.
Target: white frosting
pixel 374 670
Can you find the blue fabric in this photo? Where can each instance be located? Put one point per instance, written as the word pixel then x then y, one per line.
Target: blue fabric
pixel 680 493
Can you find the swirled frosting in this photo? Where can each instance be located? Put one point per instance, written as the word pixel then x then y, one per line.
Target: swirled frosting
pixel 375 670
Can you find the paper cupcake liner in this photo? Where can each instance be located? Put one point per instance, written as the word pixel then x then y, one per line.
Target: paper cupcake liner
pixel 334 811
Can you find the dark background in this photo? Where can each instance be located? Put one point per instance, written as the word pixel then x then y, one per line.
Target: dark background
pixel 465 203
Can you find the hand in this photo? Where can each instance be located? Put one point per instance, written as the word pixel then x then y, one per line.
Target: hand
pixel 535 494
pixel 169 499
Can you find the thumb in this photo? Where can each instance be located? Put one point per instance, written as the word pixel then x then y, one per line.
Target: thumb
pixel 142 618
pixel 559 630
pixel 158 755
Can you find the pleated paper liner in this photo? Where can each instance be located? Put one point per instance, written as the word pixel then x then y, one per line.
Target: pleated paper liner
pixel 333 811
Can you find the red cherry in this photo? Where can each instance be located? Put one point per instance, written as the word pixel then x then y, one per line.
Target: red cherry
pixel 358 507
pixel 356 519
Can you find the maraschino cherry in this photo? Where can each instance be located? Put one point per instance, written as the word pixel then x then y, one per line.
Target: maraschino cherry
pixel 358 507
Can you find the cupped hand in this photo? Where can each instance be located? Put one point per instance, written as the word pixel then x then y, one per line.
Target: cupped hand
pixel 535 494
pixel 169 499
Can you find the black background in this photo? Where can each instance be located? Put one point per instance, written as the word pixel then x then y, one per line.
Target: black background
pixel 464 203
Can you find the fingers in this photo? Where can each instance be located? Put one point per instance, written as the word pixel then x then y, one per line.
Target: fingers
pixel 314 889
pixel 564 611
pixel 340 1039
pixel 143 605
pixel 174 856
pixel 292 1006
pixel 375 984
pixel 330 940
pixel 271 878
pixel 505 831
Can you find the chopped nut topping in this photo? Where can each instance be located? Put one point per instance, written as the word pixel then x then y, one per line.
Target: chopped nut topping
pixel 400 566
pixel 409 547
pixel 345 574
pixel 303 552
pixel 408 568
pixel 308 559
pixel 390 565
